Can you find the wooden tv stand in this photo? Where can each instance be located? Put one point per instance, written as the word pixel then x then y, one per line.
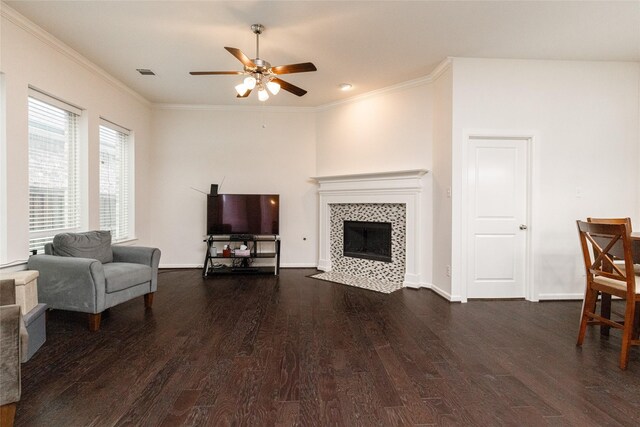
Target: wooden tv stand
pixel 218 263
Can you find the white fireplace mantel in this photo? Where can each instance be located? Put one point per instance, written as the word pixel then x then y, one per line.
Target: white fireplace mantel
pixel 384 187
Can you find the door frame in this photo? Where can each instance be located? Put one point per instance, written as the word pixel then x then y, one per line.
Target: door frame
pixel 527 137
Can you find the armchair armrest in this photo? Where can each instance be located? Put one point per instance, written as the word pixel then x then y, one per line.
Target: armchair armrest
pixel 139 255
pixel 70 283
pixel 136 255
pixel 10 353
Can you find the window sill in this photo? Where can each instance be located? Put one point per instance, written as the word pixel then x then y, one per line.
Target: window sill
pixel 126 242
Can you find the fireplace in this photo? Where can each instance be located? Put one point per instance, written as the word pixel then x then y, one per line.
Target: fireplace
pixel 392 197
pixel 367 240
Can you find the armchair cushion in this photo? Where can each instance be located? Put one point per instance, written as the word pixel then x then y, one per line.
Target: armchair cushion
pixel 90 244
pixel 121 275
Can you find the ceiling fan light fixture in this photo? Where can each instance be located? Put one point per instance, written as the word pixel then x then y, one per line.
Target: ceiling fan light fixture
pixel 273 87
pixel 250 82
pixel 241 89
pixel 259 73
pixel 263 95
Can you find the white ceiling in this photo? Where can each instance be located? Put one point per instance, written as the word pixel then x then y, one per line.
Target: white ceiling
pixel 369 44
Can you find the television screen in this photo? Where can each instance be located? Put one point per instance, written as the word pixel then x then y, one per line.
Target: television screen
pixel 243 214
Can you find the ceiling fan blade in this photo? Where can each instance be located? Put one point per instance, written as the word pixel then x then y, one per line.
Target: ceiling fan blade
pixel 213 73
pixel 241 57
pixel 245 95
pixel 289 87
pixel 294 68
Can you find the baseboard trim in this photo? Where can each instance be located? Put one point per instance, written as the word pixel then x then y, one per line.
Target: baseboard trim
pixel 298 265
pixel 412 281
pixel 283 265
pixel 180 266
pixel 446 295
pixel 551 297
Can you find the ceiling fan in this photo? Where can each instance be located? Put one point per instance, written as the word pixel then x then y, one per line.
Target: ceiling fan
pixel 260 74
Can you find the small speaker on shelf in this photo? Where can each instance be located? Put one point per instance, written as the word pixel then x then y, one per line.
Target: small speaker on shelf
pixel 214 190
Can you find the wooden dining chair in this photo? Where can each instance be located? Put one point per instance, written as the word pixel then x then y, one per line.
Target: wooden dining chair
pixel 606 277
pixel 605 300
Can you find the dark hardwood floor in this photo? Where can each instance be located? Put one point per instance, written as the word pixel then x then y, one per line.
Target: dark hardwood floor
pixel 263 351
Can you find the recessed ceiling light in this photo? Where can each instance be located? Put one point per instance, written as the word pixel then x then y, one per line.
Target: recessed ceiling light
pixel 145 72
pixel 346 86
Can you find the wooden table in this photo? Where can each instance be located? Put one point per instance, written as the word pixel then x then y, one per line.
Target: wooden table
pixel 635 243
pixel 605 307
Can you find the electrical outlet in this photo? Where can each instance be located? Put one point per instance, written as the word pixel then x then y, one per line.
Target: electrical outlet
pixel 448 271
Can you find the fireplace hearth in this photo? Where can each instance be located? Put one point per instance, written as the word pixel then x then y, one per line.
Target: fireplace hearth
pixel 367 240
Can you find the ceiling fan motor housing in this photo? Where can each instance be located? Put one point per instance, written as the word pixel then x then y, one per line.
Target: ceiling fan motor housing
pixel 261 66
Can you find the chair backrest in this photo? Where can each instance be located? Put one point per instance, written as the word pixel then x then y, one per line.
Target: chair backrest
pixel 616 250
pixel 600 263
pixel 89 244
pixel 626 221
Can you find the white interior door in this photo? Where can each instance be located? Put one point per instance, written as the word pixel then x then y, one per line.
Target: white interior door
pixel 498 172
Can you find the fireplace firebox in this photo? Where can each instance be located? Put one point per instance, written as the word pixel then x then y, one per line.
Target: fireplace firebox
pixel 367 240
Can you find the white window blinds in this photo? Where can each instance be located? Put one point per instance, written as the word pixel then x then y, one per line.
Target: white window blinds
pixel 115 181
pixel 54 190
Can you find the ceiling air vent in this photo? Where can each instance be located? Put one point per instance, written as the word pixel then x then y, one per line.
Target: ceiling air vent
pixel 145 72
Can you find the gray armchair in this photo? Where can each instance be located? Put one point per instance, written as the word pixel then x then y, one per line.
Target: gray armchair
pixel 13 350
pixel 83 272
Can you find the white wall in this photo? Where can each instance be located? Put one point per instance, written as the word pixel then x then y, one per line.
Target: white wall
pixel 585 117
pixel 196 147
pixel 387 130
pixel 442 174
pixel 32 57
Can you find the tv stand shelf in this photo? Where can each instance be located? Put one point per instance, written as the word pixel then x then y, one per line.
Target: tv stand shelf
pixel 241 264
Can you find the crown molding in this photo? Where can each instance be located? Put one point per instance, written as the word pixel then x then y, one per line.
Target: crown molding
pixel 243 108
pixel 38 32
pixel 441 68
pixel 389 89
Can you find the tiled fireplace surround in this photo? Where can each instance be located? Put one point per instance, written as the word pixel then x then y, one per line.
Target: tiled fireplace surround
pixel 361 193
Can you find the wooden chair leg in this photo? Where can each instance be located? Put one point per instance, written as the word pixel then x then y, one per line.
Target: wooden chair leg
pixel 7 414
pixel 605 311
pixel 94 321
pixel 588 305
pixel 627 333
pixel 148 300
pixel 636 322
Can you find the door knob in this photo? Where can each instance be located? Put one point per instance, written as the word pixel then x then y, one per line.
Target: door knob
pixel 523 227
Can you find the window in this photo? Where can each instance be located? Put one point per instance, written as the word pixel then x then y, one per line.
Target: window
pixel 115 200
pixel 54 164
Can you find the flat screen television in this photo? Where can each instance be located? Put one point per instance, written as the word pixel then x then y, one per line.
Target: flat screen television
pixel 257 214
